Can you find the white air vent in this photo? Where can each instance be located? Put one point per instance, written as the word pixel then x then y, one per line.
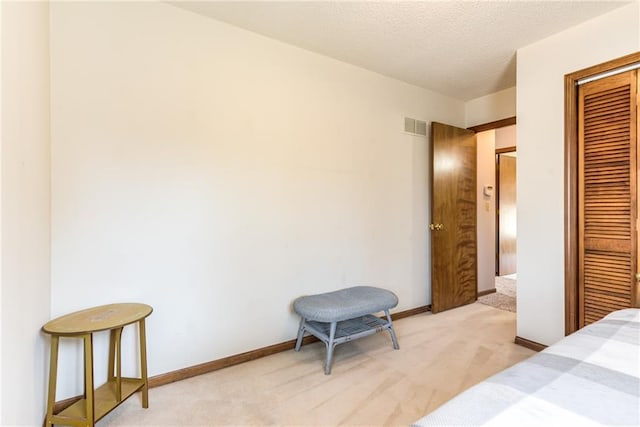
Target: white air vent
pixel 415 127
pixel 409 125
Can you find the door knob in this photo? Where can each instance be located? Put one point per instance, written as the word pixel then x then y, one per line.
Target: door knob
pixel 437 227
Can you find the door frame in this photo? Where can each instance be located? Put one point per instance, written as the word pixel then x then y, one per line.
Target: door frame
pixel 494 125
pixel 571 318
pixel 509 121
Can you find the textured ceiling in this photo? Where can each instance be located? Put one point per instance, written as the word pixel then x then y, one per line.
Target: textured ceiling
pixel 464 49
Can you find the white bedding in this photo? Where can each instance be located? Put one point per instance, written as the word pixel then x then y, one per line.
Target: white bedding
pixel 591 377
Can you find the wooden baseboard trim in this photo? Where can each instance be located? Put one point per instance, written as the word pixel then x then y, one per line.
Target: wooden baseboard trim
pixel 236 359
pixel 486 292
pixel 535 346
pixel 225 362
pixel 411 312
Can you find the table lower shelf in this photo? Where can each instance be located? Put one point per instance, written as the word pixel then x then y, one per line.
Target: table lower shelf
pixel 104 398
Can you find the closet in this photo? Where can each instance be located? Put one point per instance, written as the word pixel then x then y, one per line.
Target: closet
pixel 607 228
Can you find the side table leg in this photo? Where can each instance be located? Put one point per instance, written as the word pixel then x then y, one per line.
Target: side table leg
pixel 112 356
pixel 118 348
pixel 53 377
pixel 143 364
pixel 115 361
pixel 88 378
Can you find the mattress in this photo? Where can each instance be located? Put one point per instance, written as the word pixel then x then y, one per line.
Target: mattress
pixel 591 377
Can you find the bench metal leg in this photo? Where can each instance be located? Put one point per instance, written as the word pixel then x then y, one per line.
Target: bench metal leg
pixel 392 331
pixel 300 334
pixel 330 346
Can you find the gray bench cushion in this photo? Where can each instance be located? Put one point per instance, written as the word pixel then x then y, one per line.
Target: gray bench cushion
pixel 344 304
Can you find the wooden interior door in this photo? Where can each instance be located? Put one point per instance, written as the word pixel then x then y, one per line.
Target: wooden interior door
pixel 607 195
pixel 506 212
pixel 454 274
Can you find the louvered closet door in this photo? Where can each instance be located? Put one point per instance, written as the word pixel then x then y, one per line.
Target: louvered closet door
pixel 607 195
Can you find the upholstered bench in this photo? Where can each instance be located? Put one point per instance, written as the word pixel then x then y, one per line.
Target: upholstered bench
pixel 344 315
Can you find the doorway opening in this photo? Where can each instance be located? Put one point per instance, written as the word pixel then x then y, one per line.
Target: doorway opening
pixel 497 249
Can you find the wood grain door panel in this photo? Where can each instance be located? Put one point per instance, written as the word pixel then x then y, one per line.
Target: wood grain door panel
pixel 607 195
pixel 453 204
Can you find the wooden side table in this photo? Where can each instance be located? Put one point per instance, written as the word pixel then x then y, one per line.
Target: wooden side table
pixel 95 404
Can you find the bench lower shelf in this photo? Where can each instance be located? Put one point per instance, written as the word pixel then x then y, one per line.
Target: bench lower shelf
pixel 348 330
pixel 334 333
pixel 105 400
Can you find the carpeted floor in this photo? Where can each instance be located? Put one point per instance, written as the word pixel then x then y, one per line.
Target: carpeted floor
pixel 371 383
pixel 504 298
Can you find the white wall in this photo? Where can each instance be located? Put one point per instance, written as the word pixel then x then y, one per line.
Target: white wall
pixel 486 162
pixel 540 134
pixel 217 175
pixel 506 137
pixel 490 108
pixel 25 214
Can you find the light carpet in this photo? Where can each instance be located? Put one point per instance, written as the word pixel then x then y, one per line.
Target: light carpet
pixel 504 298
pixel 371 383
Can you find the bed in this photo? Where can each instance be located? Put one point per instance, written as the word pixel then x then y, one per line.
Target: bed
pixel 591 377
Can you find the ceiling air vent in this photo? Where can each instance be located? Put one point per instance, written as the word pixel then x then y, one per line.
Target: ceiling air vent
pixel 415 127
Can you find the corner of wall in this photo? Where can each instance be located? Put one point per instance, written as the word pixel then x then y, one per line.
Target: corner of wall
pixel 25 210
